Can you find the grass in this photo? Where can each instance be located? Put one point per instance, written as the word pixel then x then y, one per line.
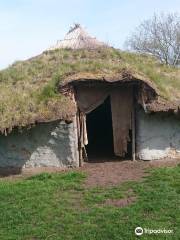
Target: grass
pixel 29 89
pixel 59 206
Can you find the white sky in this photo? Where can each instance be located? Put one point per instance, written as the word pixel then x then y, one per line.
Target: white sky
pixel 30 26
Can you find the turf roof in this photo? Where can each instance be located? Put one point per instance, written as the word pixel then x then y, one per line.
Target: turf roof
pixel 29 89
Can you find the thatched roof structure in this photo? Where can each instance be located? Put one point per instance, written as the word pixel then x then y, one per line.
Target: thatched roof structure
pixel 78 38
pixel 32 91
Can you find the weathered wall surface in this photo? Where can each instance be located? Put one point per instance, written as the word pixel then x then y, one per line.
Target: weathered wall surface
pixel 157 136
pixel 48 144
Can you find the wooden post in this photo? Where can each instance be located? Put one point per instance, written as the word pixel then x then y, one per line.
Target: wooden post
pixel 133 130
pixel 80 158
pixel 78 121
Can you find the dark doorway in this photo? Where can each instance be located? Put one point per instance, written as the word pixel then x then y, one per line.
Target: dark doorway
pixel 100 133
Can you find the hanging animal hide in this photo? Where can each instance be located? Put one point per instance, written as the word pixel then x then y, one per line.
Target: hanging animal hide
pixel 121 107
pixel 89 98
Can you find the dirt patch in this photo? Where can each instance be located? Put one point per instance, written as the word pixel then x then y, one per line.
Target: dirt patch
pixel 19 173
pixel 113 173
pixel 166 162
pixel 109 173
pixel 104 173
pixel 120 202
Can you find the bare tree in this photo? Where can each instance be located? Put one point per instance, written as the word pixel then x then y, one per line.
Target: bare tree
pixel 160 37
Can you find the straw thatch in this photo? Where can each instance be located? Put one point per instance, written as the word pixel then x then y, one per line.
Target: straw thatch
pixel 78 38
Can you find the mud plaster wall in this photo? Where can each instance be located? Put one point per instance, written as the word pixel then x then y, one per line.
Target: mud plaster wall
pixel 48 144
pixel 157 136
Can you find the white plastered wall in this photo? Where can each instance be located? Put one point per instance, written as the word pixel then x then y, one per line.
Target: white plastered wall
pixel 157 136
pixel 53 144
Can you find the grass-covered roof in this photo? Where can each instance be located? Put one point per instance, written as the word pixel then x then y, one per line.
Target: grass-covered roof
pixel 29 89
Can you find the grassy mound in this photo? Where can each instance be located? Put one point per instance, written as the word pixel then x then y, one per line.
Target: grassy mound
pixel 29 88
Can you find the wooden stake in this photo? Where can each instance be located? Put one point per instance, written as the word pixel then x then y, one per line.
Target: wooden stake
pixel 133 132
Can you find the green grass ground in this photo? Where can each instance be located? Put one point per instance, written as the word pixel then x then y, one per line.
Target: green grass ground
pixel 60 206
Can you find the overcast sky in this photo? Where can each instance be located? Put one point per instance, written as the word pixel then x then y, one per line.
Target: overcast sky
pixel 27 27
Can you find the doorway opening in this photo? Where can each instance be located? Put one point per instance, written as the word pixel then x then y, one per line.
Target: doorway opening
pixel 100 132
pixel 100 135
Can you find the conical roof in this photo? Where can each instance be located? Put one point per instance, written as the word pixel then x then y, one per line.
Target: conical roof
pixel 78 38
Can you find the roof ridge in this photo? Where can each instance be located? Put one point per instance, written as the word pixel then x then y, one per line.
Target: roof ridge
pixel 72 28
pixel 78 38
